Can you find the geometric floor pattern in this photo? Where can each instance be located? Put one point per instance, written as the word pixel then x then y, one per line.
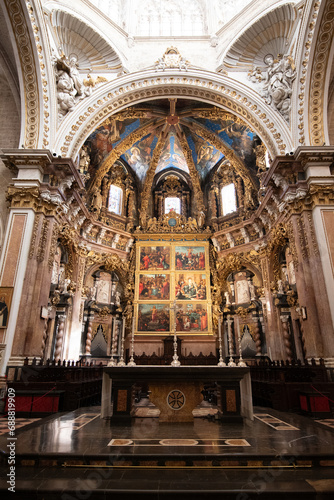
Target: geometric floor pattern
pixel 274 422
pixel 178 442
pixel 19 422
pixel 329 422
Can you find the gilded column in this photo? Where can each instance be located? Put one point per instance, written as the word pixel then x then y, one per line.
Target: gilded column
pixel 89 334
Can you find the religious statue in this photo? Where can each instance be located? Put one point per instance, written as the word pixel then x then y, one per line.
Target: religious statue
pixel 251 290
pixel 277 88
pixel 70 87
pixel 84 160
pixel 227 298
pixel 280 288
pixel 96 200
pixel 277 82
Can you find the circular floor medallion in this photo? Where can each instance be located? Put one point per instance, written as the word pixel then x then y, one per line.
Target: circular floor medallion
pixel 176 399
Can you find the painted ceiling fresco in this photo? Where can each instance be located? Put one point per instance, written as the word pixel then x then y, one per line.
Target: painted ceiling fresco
pixel 205 155
pixel 140 155
pixel 236 135
pixel 172 155
pixel 184 119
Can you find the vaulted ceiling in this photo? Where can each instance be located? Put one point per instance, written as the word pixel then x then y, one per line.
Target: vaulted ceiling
pixel 182 135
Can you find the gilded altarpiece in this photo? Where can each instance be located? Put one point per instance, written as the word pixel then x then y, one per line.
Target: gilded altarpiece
pixel 172 285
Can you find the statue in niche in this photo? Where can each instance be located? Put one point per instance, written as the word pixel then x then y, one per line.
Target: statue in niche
pixel 201 219
pixel 56 267
pixel 103 289
pixel 117 298
pixel 96 204
pixel 278 83
pixel 227 298
pixel 70 87
pixel 92 293
pixel 251 289
pixel 280 287
pixel 242 291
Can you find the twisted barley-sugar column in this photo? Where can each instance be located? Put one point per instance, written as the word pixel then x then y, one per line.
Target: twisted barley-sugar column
pixel 60 336
pixel 45 336
pixel 257 335
pixel 287 336
pixel 89 335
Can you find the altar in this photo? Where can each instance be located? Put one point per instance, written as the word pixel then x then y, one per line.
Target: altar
pixel 175 391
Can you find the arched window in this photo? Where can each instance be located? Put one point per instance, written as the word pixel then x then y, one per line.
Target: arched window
pixel 172 203
pixel 229 203
pixel 115 199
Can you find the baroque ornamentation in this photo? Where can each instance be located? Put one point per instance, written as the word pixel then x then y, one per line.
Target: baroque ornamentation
pixel 34 236
pixel 116 153
pixel 70 87
pixel 171 59
pixel 43 240
pixel 302 80
pixel 24 45
pixel 149 179
pixel 53 245
pixel 156 87
pixel 318 82
pixel 277 83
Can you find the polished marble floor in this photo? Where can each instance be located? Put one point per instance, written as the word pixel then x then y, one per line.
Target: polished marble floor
pixel 276 454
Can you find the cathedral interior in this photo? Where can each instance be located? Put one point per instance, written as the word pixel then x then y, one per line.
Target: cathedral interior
pixel 167 248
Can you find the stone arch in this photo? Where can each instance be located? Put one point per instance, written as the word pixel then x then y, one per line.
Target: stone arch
pixel 210 88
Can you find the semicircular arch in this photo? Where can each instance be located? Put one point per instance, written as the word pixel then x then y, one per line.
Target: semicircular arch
pixel 206 87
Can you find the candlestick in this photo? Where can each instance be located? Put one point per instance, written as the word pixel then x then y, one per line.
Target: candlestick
pixel 221 361
pixel 121 359
pixel 229 323
pixel 241 362
pixel 175 361
pixel 112 361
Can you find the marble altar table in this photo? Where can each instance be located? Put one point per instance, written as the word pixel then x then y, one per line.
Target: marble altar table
pixel 176 390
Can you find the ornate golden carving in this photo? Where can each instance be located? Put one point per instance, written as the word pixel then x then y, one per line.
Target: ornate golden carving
pixel 146 194
pixel 53 245
pixel 172 185
pixel 292 244
pixel 34 236
pixel 225 265
pixel 25 50
pixel 313 237
pixel 30 198
pixel 302 238
pixel 318 82
pixel 104 312
pixel 43 240
pixel 198 194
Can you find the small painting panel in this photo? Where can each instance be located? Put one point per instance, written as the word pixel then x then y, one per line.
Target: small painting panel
pixel 191 318
pixel 153 318
pixel 189 258
pixel 154 258
pixel 6 294
pixel 154 287
pixel 190 286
